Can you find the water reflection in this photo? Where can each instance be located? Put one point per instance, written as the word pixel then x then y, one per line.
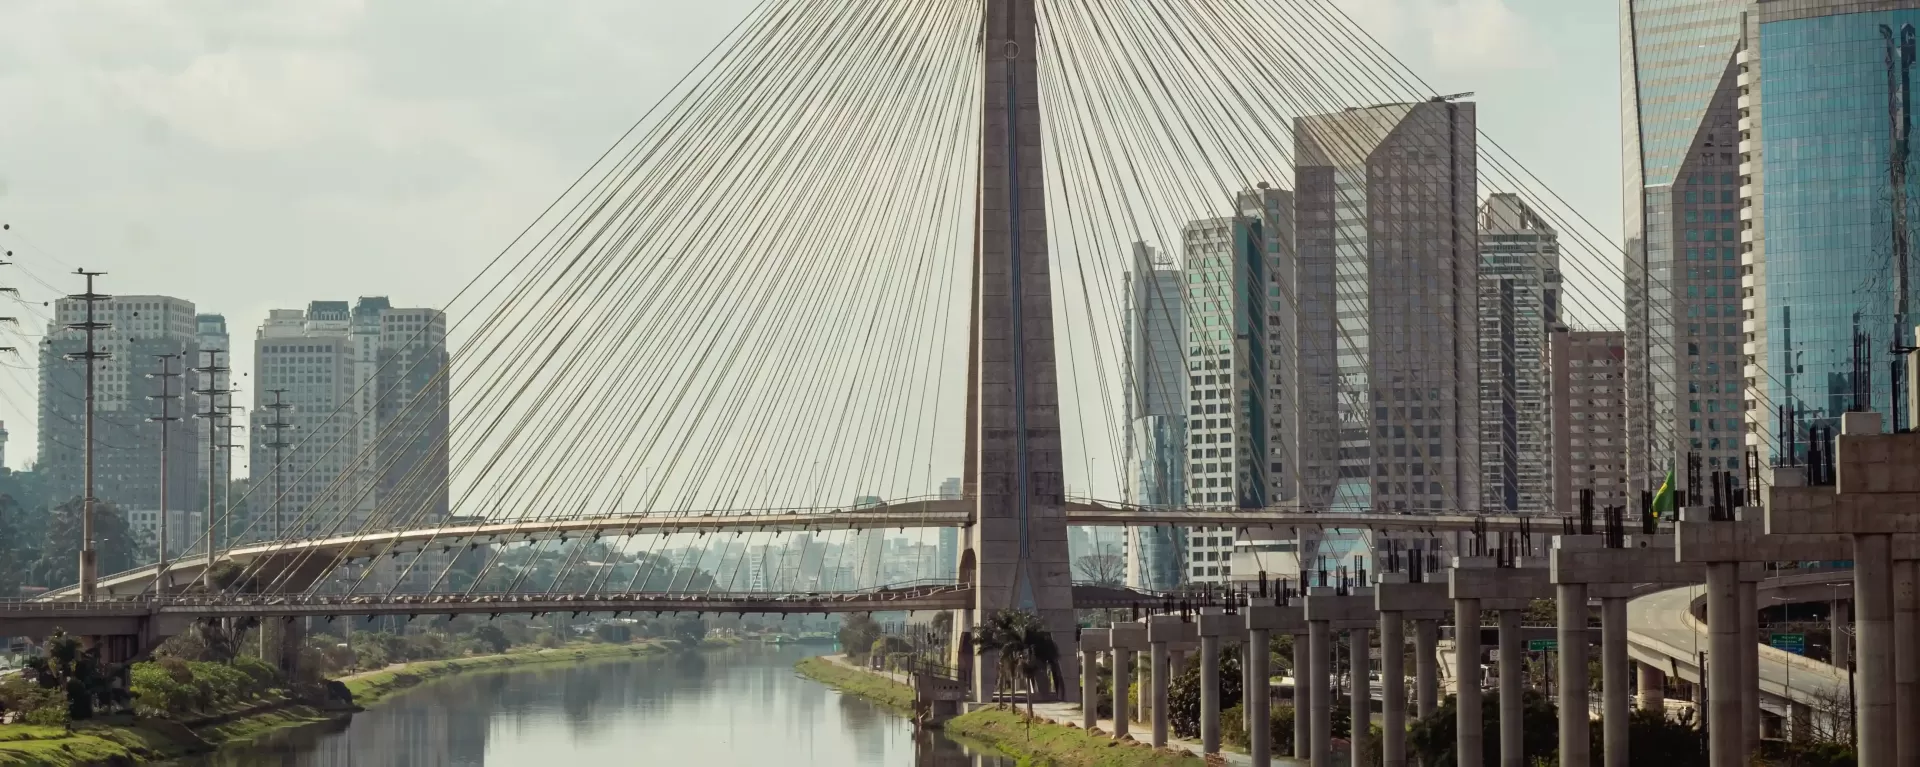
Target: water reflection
pixel 741 707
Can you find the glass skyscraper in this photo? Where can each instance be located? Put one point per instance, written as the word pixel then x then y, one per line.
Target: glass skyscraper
pixel 1156 414
pixel 1228 384
pixel 1679 109
pixel 1833 202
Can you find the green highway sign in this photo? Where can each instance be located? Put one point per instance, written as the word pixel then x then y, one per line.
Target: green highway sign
pixel 1793 643
pixel 1543 645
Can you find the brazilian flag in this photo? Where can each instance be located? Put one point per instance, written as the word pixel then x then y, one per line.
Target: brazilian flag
pixel 1663 498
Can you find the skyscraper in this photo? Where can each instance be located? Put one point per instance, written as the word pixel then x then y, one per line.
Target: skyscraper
pixel 1589 419
pixel 1519 302
pixel 368 387
pixel 1260 550
pixel 949 541
pixel 1156 404
pixel 1826 134
pixel 1385 210
pixel 1228 381
pixel 126 444
pixel 1679 113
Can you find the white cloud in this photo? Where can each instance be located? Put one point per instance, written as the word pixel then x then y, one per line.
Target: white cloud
pixel 1452 36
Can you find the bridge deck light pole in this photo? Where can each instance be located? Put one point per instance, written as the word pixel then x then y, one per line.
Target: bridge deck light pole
pixel 89 570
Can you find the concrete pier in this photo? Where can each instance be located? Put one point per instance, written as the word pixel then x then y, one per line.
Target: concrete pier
pixel 1258 706
pixel 1468 745
pixel 1426 666
pixel 1749 622
pixel 1303 696
pixel 1397 601
pixel 1576 723
pixel 1513 751
pixel 1165 632
pixel 1614 670
pixel 1089 686
pixel 1215 629
pixel 1393 690
pixel 1726 743
pixel 1873 595
pixel 1359 696
pixel 1653 689
pixel 1327 611
pixel 1264 618
pixel 1319 670
pixel 1840 627
pixel 1157 660
pixel 1906 659
pixel 1128 639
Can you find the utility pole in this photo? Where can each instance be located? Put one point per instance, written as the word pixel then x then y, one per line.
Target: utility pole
pixel 166 416
pixel 210 379
pixel 279 443
pixel 226 470
pixel 89 572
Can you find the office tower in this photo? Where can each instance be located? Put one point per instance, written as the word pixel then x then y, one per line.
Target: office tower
pixel 1259 550
pixel 949 541
pixel 1385 230
pixel 1679 114
pixel 1519 303
pixel 1826 133
pixel 1156 412
pixel 865 548
pixel 126 444
pixel 1589 419
pixel 1227 379
pixel 368 388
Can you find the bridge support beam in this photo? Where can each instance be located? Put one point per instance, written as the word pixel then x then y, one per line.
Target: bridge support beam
pixel 1165 632
pixel 1426 666
pixel 1906 659
pixel 1158 657
pixel 1726 743
pixel 1359 696
pixel 1513 752
pixel 1393 690
pixel 1303 695
pixel 1614 670
pixel 1398 599
pixel 1750 659
pixel 1468 734
pixel 1319 672
pixel 1089 692
pixel 1217 628
pixel 1122 684
pixel 1258 700
pixel 1653 688
pixel 1576 722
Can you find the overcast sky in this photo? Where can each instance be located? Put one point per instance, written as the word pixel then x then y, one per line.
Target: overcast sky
pixel 248 155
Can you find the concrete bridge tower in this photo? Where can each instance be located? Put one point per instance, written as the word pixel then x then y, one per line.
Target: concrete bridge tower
pixel 1017 547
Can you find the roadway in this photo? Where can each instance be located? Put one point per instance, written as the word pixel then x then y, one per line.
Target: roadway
pixel 1662 631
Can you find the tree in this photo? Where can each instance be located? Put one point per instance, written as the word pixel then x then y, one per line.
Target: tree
pixel 1025 649
pixel 14 554
pixel 1102 569
pixel 857 635
pixel 86 680
pixel 1433 738
pixel 114 544
pixel 1183 697
pixel 491 636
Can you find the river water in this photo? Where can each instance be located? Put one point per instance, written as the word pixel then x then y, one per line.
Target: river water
pixel 743 706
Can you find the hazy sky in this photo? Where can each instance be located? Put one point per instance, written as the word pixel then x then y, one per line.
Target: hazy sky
pixel 248 155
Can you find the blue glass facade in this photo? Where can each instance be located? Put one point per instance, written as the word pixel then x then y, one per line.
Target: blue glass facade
pixel 1833 201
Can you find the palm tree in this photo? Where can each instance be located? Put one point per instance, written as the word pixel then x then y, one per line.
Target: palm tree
pixel 1026 650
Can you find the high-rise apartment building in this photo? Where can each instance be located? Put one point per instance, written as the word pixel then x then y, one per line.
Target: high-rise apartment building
pixel 1519 304
pixel 1156 412
pixel 1271 551
pixel 1826 212
pixel 1385 231
pixel 1589 419
pixel 126 444
pixel 1228 383
pixel 1679 119
pixel 368 387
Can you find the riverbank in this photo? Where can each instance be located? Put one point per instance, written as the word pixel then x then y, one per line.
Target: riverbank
pixel 865 685
pixel 1037 742
pixel 130 740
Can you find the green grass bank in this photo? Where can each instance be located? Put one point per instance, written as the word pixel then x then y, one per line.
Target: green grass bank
pixel 125 739
pixel 1045 743
pixel 871 687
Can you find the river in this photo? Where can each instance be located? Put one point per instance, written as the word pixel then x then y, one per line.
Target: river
pixel 743 706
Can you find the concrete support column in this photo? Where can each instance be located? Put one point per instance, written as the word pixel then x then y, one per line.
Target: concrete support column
pixel 1143 690
pixel 1840 625
pixel 1906 659
pixel 1576 724
pixel 1653 689
pixel 1210 694
pixel 1873 597
pixel 1303 696
pixel 1122 679
pixel 1393 689
pixel 1799 722
pixel 1726 744
pixel 1426 666
pixel 1512 734
pixel 293 636
pixel 1259 718
pixel 1158 658
pixel 1089 690
pixel 1468 738
pixel 986 680
pixel 1360 696
pixel 1750 665
pixel 1319 671
pixel 1614 668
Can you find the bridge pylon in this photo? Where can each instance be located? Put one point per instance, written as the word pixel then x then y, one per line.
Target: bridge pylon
pixel 1018 539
